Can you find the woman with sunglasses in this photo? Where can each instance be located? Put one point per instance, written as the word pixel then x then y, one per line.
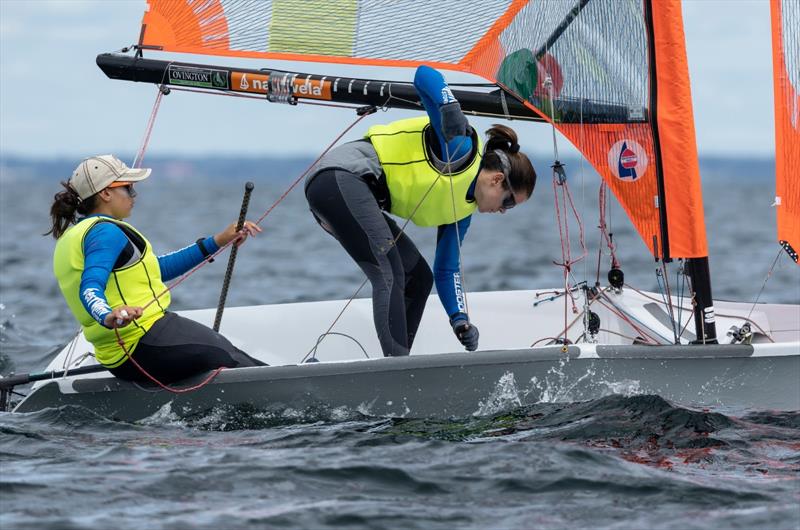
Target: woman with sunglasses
pixel 111 279
pixel 434 171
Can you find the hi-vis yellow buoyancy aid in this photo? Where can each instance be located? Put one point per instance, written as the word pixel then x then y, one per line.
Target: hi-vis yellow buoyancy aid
pixel 410 173
pixel 134 283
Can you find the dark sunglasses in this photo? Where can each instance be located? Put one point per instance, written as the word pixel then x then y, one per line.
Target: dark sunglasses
pixel 509 201
pixel 128 189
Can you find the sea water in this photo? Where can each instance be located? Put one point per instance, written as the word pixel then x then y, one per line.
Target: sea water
pixel 623 461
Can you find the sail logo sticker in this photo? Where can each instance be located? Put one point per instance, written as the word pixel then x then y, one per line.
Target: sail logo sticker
pixel 198 77
pixel 248 82
pixel 259 84
pixel 627 160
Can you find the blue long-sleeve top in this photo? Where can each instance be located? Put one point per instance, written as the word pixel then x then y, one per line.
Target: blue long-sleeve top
pixel 102 246
pixel 436 95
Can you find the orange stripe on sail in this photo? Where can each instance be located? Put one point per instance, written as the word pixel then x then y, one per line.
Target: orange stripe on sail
pixel 787 136
pixel 173 25
pixel 485 57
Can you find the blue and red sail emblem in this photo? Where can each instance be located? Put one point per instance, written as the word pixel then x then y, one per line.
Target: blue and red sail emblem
pixel 627 160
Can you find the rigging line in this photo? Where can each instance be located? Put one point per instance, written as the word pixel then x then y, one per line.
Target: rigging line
pixel 350 300
pixel 604 330
pixel 748 319
pixel 670 306
pixel 319 340
pixel 680 282
pixel 620 313
pixel 692 310
pixel 558 179
pixel 645 295
pixel 627 320
pixel 400 234
pixel 681 308
pixel 690 317
pixel 581 168
pixel 393 242
pixel 203 383
pixel 310 167
pixel 137 162
pixel 203 263
pixel 579 316
pixel 667 297
pixel 71 350
pixel 766 279
pixel 162 90
pixel 392 96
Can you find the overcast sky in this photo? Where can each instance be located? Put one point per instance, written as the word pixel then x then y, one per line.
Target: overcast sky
pixel 54 101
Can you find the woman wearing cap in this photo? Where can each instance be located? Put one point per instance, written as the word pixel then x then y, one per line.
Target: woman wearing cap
pixel 433 171
pixel 108 273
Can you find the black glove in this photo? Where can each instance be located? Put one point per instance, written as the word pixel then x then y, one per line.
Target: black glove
pixel 454 123
pixel 466 332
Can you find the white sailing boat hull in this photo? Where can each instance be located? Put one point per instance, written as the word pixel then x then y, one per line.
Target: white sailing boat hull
pixel 440 381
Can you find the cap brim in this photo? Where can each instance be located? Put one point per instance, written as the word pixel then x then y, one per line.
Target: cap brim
pixel 134 175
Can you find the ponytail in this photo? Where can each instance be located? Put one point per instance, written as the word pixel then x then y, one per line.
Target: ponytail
pixel 66 208
pixel 521 175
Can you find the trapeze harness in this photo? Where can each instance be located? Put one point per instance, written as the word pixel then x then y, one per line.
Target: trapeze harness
pixel 101 263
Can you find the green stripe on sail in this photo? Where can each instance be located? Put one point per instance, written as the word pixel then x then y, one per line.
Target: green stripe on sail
pixel 319 27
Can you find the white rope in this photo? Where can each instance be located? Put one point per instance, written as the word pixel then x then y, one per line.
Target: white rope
pixel 766 279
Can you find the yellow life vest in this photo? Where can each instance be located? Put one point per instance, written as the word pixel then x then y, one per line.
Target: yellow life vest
pixel 134 283
pixel 410 174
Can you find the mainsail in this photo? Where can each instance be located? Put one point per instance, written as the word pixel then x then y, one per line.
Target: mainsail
pixel 786 74
pixel 615 70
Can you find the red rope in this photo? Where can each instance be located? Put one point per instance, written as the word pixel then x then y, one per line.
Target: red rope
pixel 186 275
pixel 203 383
pixel 294 184
pixel 137 162
pixel 603 198
pixel 563 232
pixel 627 320
pixel 309 168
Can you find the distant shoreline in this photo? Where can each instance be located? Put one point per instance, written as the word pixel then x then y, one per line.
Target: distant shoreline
pixel 180 167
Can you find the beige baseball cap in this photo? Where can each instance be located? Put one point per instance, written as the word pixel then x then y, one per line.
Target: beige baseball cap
pixel 98 172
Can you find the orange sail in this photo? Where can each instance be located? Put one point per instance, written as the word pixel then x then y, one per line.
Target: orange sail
pixel 610 74
pixel 786 74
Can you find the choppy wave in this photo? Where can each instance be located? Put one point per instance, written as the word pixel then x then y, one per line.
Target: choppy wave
pixel 618 461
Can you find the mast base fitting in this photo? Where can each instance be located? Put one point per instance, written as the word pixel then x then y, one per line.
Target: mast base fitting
pixel 616 278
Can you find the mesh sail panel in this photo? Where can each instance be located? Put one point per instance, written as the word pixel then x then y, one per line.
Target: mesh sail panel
pixel 786 73
pixel 390 32
pixel 611 74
